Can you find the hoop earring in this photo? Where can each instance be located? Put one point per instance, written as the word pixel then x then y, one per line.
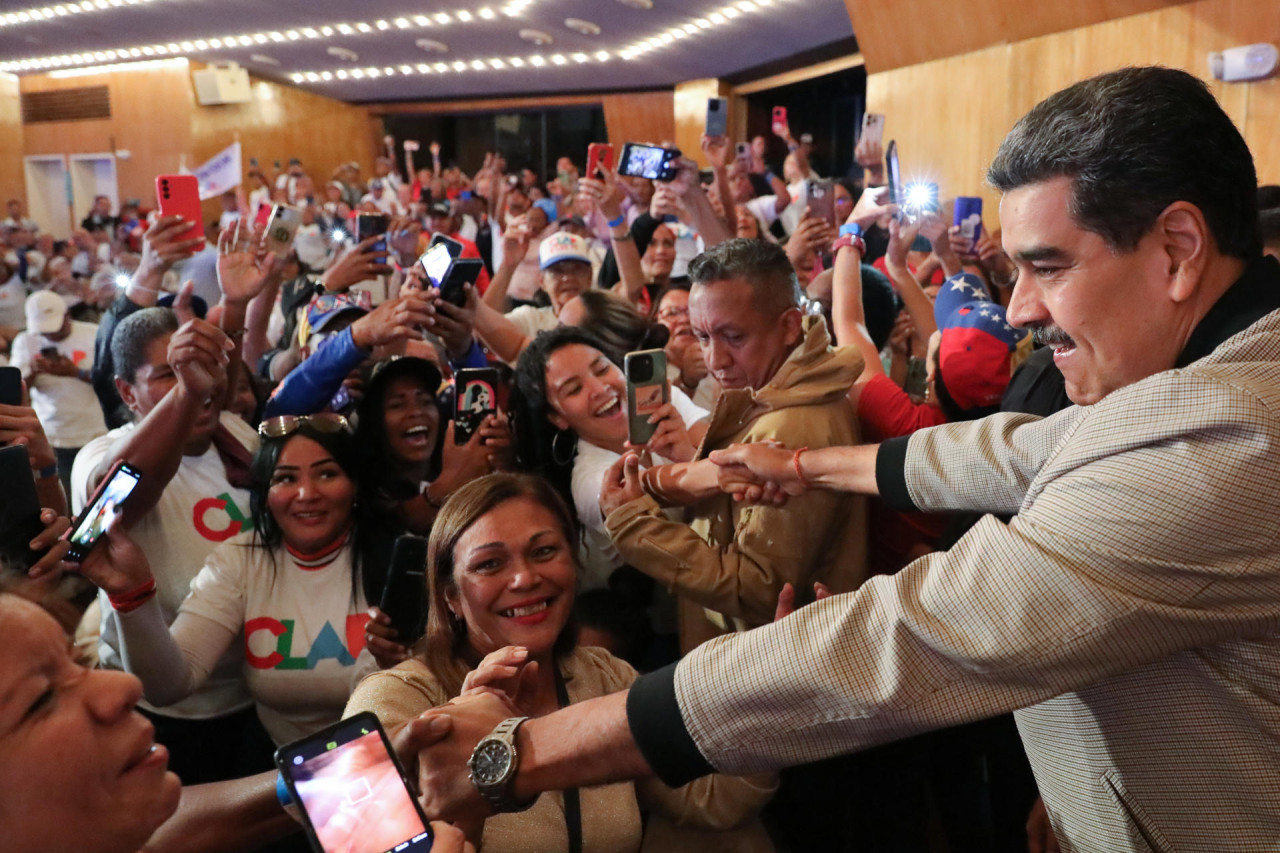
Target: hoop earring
pixel 555 449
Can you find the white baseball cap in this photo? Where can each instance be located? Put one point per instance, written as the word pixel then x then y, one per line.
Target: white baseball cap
pixel 562 246
pixel 45 312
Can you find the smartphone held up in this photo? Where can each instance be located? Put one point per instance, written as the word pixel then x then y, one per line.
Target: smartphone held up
pixel 647 391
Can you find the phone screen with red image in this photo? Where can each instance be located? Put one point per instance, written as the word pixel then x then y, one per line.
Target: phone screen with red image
pixel 599 156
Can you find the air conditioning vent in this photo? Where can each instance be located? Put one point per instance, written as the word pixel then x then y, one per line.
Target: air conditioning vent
pixel 85 102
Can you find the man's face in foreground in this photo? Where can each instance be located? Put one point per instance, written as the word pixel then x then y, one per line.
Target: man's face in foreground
pixel 742 344
pixel 1108 315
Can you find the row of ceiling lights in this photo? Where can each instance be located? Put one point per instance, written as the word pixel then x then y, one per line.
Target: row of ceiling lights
pixel 512 9
pixel 48 13
pixel 714 19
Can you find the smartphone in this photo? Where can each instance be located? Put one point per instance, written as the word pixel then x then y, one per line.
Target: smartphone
pixel 49 352
pixel 648 161
pixel 743 152
pixel 968 218
pixel 919 198
pixel 282 226
pixel 10 385
pixel 599 158
pixel 872 128
pixel 179 195
pixel 96 516
pixel 373 225
pixel 894 172
pixel 717 116
pixel 475 398
pixel 820 198
pixel 404 598
pixel 454 246
pixel 647 391
pixel 779 120
pixel 436 262
pixel 262 217
pixel 464 271
pixel 351 791
pixel 19 508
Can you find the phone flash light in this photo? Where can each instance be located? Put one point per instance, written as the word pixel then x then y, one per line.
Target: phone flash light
pixel 917 195
pixel 297 759
pixel 122 281
pixel 338 235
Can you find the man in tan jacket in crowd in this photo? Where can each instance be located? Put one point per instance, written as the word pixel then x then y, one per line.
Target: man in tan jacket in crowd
pixel 782 380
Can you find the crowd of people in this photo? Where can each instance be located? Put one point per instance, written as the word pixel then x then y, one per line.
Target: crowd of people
pixel 293 412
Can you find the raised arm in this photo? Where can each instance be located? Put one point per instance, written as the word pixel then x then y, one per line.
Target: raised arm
pixel 688 188
pixel 604 194
pixel 515 245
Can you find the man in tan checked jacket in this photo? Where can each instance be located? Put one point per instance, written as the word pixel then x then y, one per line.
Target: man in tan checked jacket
pixel 1130 611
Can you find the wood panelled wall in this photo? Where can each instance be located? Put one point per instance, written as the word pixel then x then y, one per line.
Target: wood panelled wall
pixel 12 181
pixel 908 32
pixel 150 118
pixel 639 117
pixel 282 122
pixel 950 115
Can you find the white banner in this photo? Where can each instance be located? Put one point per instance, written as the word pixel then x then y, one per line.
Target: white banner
pixel 220 173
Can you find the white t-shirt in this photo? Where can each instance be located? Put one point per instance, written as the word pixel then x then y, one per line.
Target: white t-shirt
pixel 13 299
pixel 303 631
pixel 599 556
pixel 198 511
pixel 793 213
pixel 765 209
pixel 66 405
pixel 530 319
pixel 388 203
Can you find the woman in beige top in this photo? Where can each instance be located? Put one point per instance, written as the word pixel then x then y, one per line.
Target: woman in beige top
pixel 501 570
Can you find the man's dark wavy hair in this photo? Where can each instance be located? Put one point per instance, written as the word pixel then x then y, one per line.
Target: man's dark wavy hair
pixel 1134 141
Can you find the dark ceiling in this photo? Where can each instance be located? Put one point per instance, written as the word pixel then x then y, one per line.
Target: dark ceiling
pixel 484 54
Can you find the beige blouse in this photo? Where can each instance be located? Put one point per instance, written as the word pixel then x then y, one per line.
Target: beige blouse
pixel 610 813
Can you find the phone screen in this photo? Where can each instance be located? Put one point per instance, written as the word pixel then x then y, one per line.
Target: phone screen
pixel 350 789
pixel 646 161
pixel 436 262
pixel 10 385
pixel 96 517
pixel 476 399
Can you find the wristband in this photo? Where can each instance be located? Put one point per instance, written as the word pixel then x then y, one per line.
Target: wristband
pixel 795 463
pixel 126 602
pixel 849 241
pixel 851 228
pixel 770 176
pixel 46 473
pixel 285 799
pixel 614 223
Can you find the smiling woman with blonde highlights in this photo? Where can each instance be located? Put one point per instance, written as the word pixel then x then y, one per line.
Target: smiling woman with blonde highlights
pixel 501 577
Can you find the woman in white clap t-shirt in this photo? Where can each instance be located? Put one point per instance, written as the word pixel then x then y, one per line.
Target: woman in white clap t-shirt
pixel 571 410
pixel 298 586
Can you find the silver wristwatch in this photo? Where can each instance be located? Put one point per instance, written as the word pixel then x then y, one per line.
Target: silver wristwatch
pixel 493 765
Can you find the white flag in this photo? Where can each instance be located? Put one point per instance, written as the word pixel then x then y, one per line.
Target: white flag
pixel 220 173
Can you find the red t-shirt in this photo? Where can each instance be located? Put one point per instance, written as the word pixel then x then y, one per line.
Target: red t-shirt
pixel 886 411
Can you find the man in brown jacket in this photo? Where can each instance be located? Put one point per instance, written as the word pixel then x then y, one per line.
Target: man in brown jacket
pixel 782 380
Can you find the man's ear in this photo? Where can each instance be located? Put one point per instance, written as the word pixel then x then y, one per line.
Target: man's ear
pixel 1186 241
pixel 793 326
pixel 126 392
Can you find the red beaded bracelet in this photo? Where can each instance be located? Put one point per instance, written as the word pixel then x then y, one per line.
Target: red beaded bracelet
pixel 133 599
pixel 795 463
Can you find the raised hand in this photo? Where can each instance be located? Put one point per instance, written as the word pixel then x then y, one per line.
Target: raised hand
pixel 19 425
pixel 670 440
pixel 901 236
pixel 380 640
pixel 716 149
pixel 116 564
pixel 360 263
pixel 244 263
pixel 198 355
pixel 872 206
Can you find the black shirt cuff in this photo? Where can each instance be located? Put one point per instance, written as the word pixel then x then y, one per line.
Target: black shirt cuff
pixel 891 464
pixel 653 713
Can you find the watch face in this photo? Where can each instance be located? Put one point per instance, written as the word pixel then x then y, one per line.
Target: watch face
pixel 490 763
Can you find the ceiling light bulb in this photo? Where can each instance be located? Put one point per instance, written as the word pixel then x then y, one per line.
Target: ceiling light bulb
pixel 559 59
pixel 245 41
pixel 422 20
pixel 487 13
pixel 459 66
pixel 293 35
pixel 364 28
pixel 357 73
pixel 441 67
pixel 342 74
pixel 326 75
pixel 345 29
pixel 516 62
pixel 382 25
pixel 746 5
pixel 187 46
pixel 730 12
pixel 424 68
pixel 313 77
pixel 444 18
pixel 602 55
pixel 274 36
pixel 326 31
pixel 477 65
pixel 716 18
pixel 690 29
pixel 462 15
pixel 537 61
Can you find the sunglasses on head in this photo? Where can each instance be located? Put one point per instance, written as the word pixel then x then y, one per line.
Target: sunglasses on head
pixel 325 422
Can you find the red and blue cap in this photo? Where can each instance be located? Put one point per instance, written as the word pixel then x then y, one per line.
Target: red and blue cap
pixel 979 349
